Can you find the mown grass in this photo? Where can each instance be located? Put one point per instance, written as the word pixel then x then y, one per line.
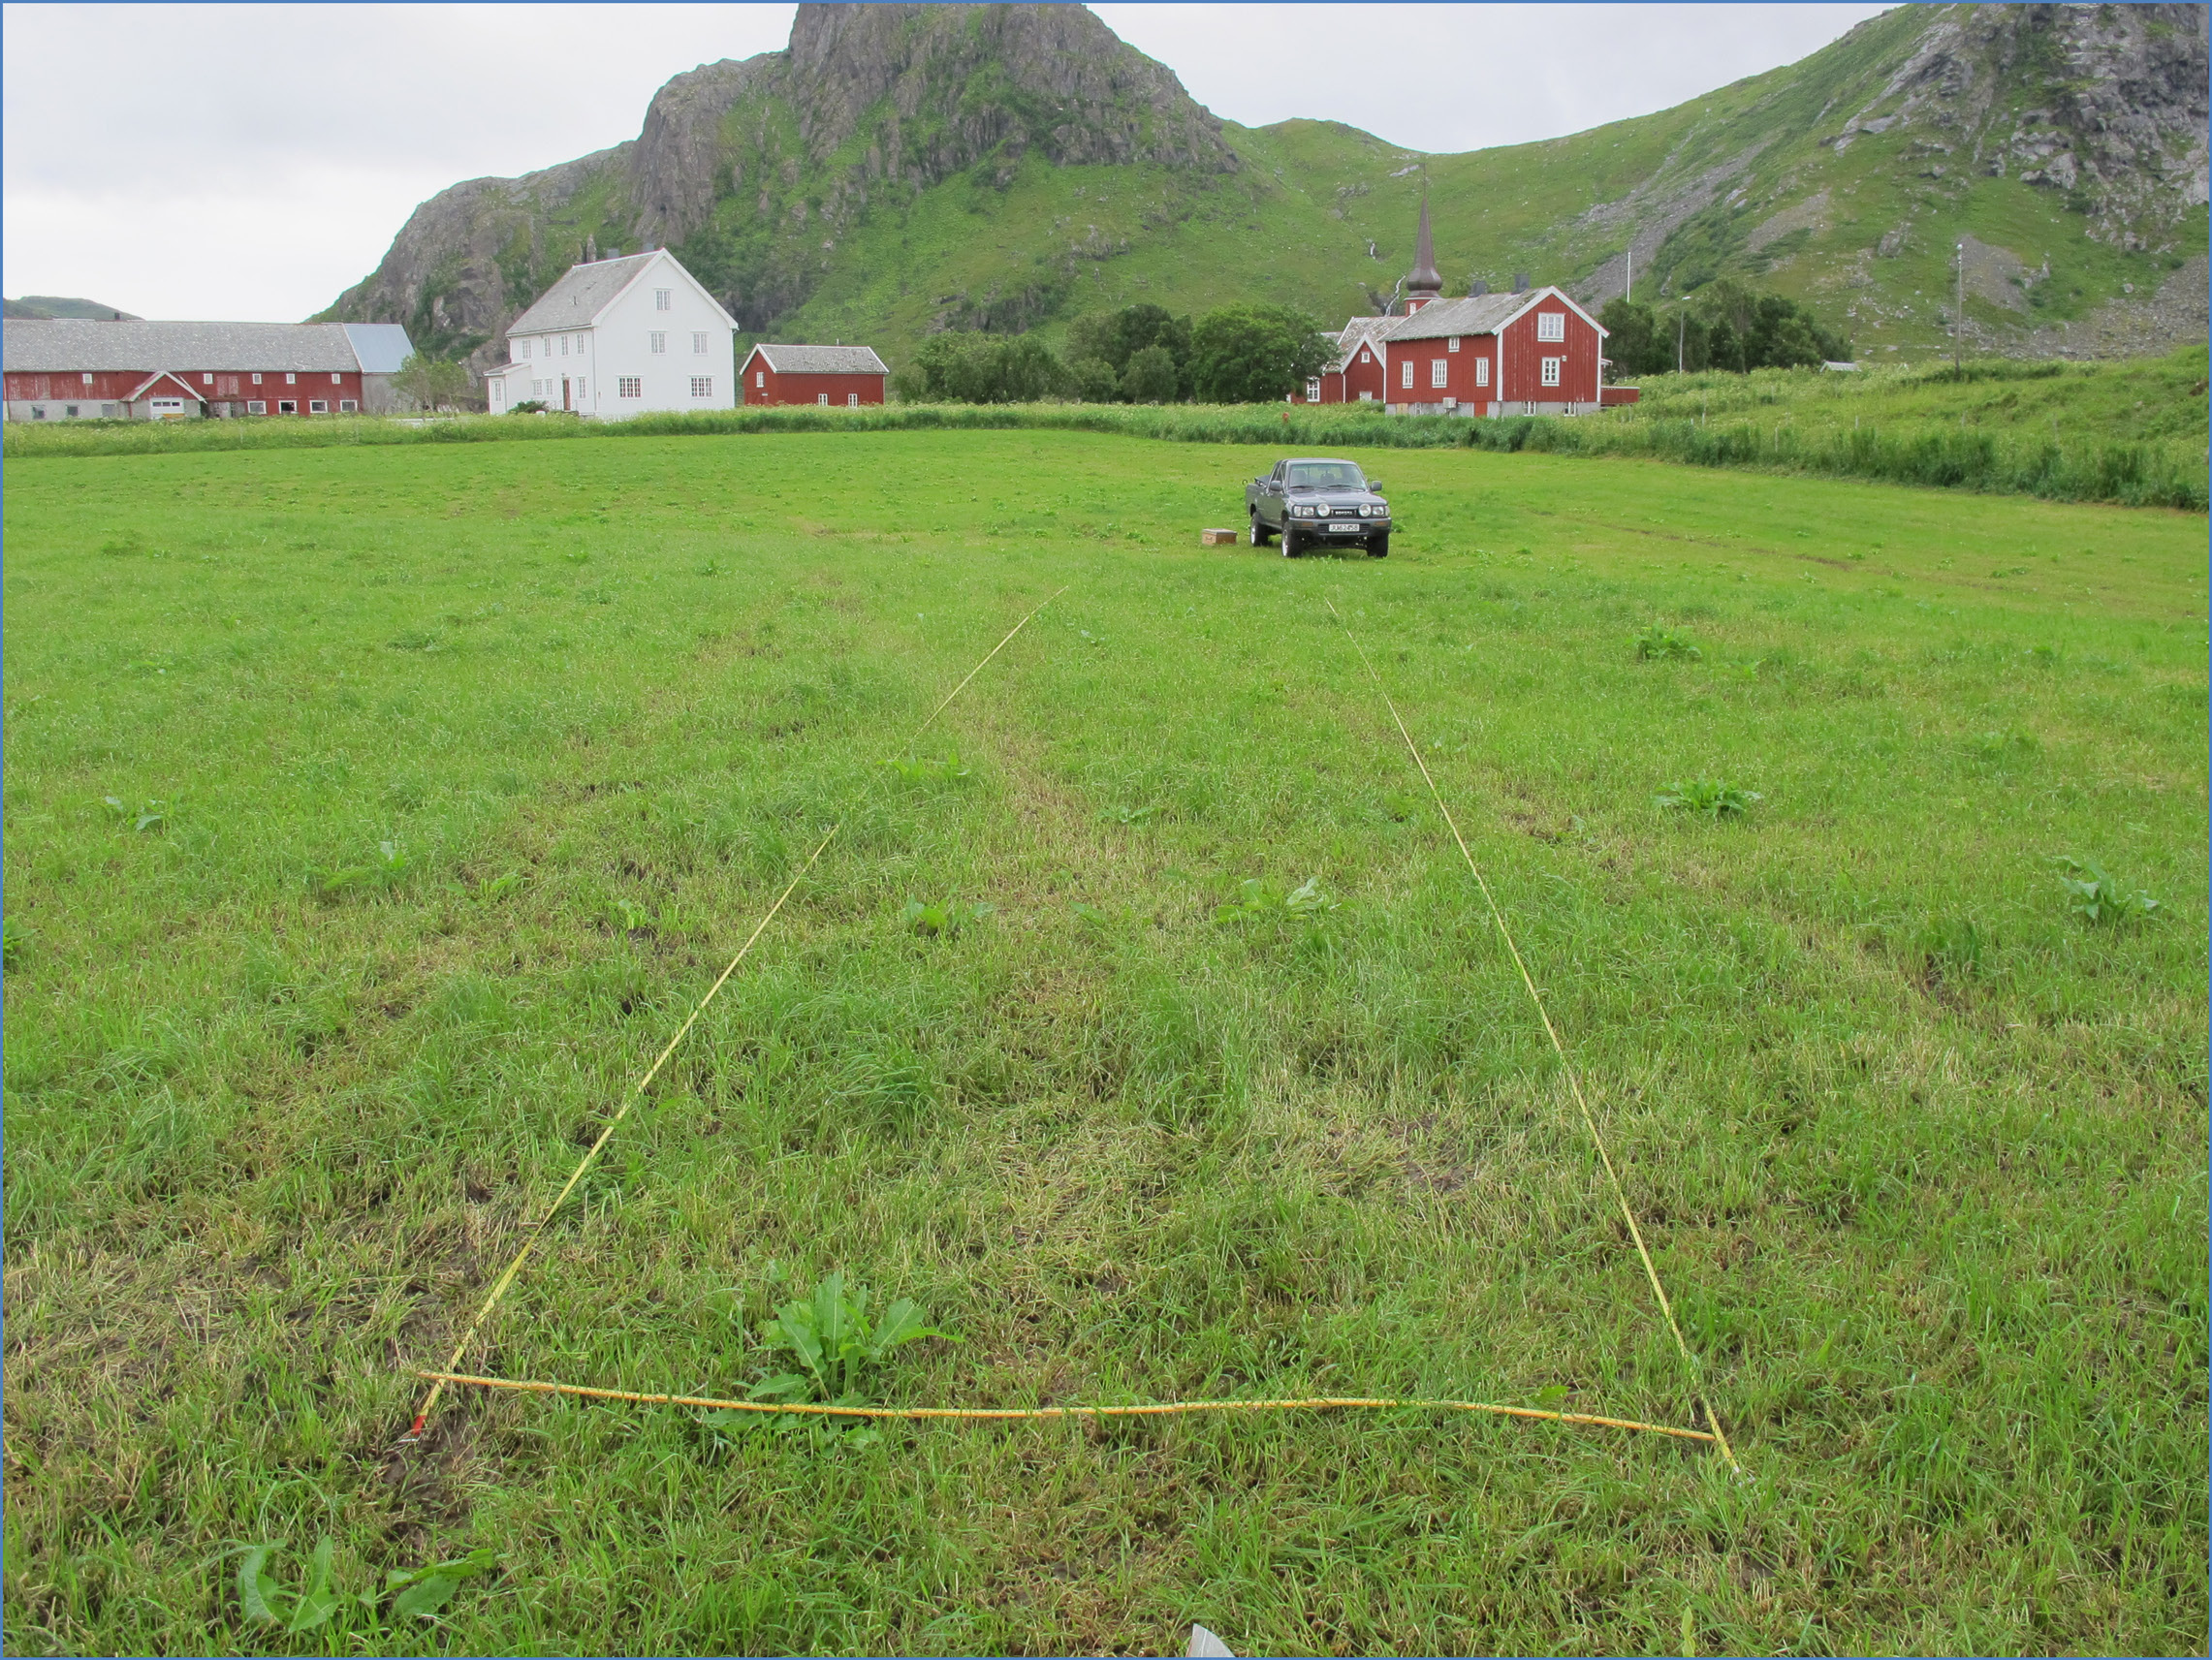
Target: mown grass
pixel 2129 432
pixel 1919 1150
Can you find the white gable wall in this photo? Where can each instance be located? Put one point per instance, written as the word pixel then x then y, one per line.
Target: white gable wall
pixel 593 364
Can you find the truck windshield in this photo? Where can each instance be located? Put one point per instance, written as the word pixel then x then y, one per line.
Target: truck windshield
pixel 1326 476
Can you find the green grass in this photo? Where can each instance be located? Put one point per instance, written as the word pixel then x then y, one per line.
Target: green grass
pixel 1919 1148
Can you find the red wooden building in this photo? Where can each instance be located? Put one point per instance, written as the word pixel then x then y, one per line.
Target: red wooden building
pixel 1356 375
pixel 842 377
pixel 76 369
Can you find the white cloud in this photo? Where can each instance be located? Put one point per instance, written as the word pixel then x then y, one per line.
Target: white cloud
pixel 240 161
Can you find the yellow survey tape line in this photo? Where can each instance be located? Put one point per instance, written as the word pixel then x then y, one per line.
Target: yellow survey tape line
pixel 1142 1409
pixel 1573 1079
pixel 500 1286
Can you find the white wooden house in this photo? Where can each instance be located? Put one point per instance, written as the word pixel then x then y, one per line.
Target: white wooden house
pixel 620 337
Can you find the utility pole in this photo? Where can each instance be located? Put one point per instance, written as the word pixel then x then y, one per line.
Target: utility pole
pixel 1958 321
pixel 1681 321
pixel 1631 294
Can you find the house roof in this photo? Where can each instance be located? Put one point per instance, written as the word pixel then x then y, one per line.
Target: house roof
pixel 822 360
pixel 71 343
pixel 1354 334
pixel 582 295
pixel 1480 314
pixel 381 347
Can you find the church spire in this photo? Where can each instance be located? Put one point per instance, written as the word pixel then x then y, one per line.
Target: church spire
pixel 1422 283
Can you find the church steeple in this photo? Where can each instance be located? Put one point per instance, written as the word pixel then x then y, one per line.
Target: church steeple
pixel 1422 283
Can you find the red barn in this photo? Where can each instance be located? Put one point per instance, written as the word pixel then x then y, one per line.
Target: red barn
pixel 1356 375
pixel 67 368
pixel 843 377
pixel 1497 354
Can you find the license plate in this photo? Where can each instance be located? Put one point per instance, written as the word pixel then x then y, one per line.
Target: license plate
pixel 1345 526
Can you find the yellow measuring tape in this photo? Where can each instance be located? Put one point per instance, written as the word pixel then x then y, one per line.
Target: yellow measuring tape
pixel 500 1286
pixel 1574 1080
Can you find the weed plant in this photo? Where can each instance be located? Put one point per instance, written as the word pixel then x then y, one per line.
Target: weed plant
pixel 1937 1234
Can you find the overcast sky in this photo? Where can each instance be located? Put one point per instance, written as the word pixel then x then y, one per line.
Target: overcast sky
pixel 254 161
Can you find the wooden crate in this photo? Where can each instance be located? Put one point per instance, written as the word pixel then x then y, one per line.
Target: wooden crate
pixel 1216 537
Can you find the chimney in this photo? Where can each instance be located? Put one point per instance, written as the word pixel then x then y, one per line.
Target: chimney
pixel 1479 289
pixel 1520 282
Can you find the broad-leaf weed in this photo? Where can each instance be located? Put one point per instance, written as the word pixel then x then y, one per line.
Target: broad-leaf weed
pixel 2099 895
pixel 1714 797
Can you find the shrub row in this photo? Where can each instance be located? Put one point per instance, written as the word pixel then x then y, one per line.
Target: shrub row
pixel 2149 474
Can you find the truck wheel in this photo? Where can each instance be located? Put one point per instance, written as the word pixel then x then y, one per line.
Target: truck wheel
pixel 1293 544
pixel 1379 547
pixel 1259 532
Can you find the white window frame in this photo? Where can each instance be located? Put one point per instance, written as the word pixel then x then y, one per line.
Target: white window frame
pixel 1440 373
pixel 293 401
pixel 630 385
pixel 658 341
pixel 257 380
pixel 852 400
pixel 521 353
pixel 760 378
pixel 349 406
pixel 88 377
pixel 1406 376
pixel 1365 355
pixel 823 398
pixel 1551 325
pixel 337 379
pixel 291 380
pixel 699 342
pixel 205 380
pixel 1451 344
pixel 664 299
pixel 702 386
pixel 1551 371
pixel 564 345
pixel 1366 398
pixel 255 405
pixel 578 389
pixel 1482 371
pixel 1313 391
pixel 318 406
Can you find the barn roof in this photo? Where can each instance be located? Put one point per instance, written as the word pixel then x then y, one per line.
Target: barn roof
pixel 1354 334
pixel 70 343
pixel 823 360
pixel 1478 314
pixel 581 294
pixel 381 347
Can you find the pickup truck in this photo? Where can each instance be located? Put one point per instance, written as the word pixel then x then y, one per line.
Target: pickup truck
pixel 1315 503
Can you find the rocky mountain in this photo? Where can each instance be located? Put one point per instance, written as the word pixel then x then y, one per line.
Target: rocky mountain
pixel 898 170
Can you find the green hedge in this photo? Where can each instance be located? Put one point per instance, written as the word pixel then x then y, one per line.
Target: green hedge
pixel 2141 474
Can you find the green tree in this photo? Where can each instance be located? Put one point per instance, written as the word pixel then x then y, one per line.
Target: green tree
pixel 1151 377
pixel 956 367
pixel 1632 339
pixel 1254 353
pixel 1114 337
pixel 433 383
pixel 1093 380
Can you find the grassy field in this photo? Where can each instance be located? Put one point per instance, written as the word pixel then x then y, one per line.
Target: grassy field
pixel 444 779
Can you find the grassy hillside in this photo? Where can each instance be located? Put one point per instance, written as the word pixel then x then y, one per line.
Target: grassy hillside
pixel 1920 1148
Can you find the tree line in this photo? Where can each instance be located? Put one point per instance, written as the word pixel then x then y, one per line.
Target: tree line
pixel 1723 325
pixel 1140 354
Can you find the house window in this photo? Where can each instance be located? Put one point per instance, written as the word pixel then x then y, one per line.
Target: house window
pixel 1551 325
pixel 822 397
pixel 335 379
pixel 852 400
pixel 1313 391
pixel 659 341
pixel 1452 344
pixel 702 386
pixel 522 351
pixel 630 385
pixel 1551 371
pixel 1366 398
pixel 580 340
pixel 1405 374
pixel 662 299
pixel 69 411
pixel 287 406
pixel 1438 370
pixel 318 406
pixel 760 378
pixel 564 345
pixel 291 380
pixel 348 406
pixel 257 380
pixel 1366 358
pixel 1482 371
pixel 699 343
pixel 256 406
pixel 88 377
pixel 578 389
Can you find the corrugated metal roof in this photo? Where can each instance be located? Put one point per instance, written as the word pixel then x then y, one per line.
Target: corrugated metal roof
pixel 582 295
pixel 68 343
pixel 823 360
pixel 381 347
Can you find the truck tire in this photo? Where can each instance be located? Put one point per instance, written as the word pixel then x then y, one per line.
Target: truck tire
pixel 1259 530
pixel 1379 547
pixel 1293 544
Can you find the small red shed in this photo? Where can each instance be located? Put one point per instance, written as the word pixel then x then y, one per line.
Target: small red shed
pixel 842 377
pixel 1355 374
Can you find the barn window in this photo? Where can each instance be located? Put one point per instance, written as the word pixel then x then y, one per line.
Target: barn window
pixel 1406 373
pixel 106 412
pixel 256 406
pixel 1366 356
pixel 630 385
pixel 852 400
pixel 348 406
pixel 88 377
pixel 287 406
pixel 1438 370
pixel 257 380
pixel 699 343
pixel 1366 398
pixel 760 378
pixel 702 386
pixel 1551 325
pixel 659 341
pixel 335 379
pixel 291 380
pixel 662 299
pixel 68 410
pixel 1551 371
pixel 38 411
pixel 1452 344
pixel 1313 391
pixel 822 397
pixel 1482 371
pixel 318 406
